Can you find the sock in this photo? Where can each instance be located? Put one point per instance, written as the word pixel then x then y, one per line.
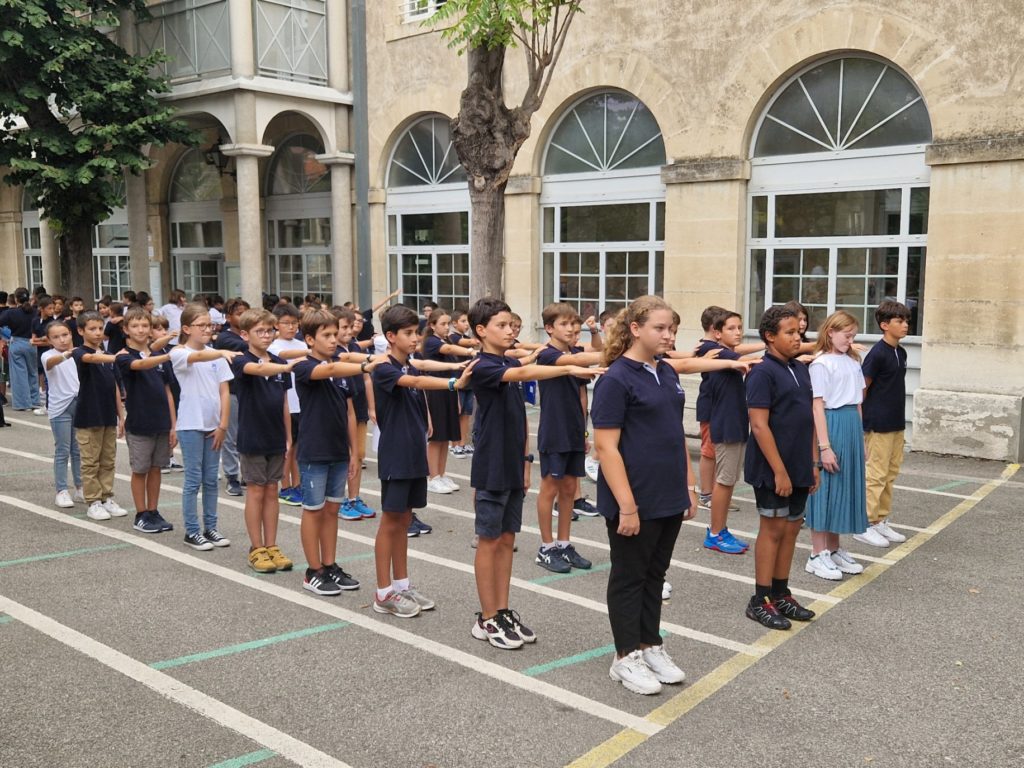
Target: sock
pixel 561 544
pixel 761 591
pixel 780 587
pixel 400 585
pixel 548 547
pixel 382 593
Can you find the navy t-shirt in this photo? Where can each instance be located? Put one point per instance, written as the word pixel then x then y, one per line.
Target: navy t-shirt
pixel 115 337
pixel 97 392
pixel 39 331
pixel 324 402
pixel 784 388
pixel 261 408
pixel 18 320
pixel 145 395
pixel 562 422
pixel 648 409
pixel 402 418
pixel 228 339
pixel 500 436
pixel 703 404
pixel 729 421
pixel 883 407
pixel 359 399
pixel 432 351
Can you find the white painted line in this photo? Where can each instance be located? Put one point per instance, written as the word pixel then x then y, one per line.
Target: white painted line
pixel 913 528
pixel 497 672
pixel 266 735
pixel 932 493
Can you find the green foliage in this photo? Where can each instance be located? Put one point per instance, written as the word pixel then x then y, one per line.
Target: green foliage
pixel 495 23
pixel 76 108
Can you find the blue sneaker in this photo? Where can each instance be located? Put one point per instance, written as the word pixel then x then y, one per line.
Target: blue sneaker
pixel 723 542
pixel 419 525
pixel 728 534
pixel 349 512
pixel 290 496
pixel 359 505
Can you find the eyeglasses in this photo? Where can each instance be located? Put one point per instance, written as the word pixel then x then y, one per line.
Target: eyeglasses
pixel 201 326
pixel 263 331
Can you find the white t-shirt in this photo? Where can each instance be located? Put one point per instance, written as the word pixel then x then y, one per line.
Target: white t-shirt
pixel 217 317
pixel 61 384
pixel 837 379
pixel 275 348
pixel 199 407
pixel 173 314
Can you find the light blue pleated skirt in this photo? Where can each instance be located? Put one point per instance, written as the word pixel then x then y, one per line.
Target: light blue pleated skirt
pixel 840 504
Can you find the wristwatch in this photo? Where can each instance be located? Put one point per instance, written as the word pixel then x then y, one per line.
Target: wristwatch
pixel 528 458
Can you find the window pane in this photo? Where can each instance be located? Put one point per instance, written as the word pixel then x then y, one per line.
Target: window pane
pixel 450 228
pixel 425 156
pixel 785 289
pixel 615 264
pixel 444 262
pixel 659 273
pixel 548 288
pixel 199 234
pixel 759 216
pixel 639 262
pixel 294 169
pixel 659 221
pixel 853 261
pixel 549 225
pixel 831 214
pixel 570 263
pixel 919 210
pixel 755 307
pixel 392 230
pixel 850 290
pixel 915 289
pixel 606 223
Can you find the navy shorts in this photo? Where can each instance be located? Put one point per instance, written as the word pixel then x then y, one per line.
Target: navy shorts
pixel 771 505
pixel 296 420
pixel 398 496
pixel 323 482
pixel 559 465
pixel 498 512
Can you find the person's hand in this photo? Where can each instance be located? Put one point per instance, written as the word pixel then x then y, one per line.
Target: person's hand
pixel 121 352
pixel 829 461
pixel 353 465
pixel 585 373
pixel 743 366
pixel 172 440
pixel 373 415
pixel 120 425
pixel 629 521
pixel 711 354
pixel 591 323
pixel 783 485
pixel 692 511
pixel 463 381
pixel 218 436
pixel 817 481
pixel 229 355
pixel 527 467
pixel 586 447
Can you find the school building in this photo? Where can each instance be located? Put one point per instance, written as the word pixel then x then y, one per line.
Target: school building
pixel 732 153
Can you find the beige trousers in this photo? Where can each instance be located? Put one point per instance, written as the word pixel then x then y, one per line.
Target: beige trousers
pixel 98 446
pixel 884 457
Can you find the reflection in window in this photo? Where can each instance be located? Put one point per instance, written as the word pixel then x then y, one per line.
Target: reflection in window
pixel 838 214
pixel 194 180
pixel 294 169
pixel 449 228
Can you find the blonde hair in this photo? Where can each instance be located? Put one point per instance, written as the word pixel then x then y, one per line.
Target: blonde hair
pixel 620 338
pixel 188 316
pixel 839 320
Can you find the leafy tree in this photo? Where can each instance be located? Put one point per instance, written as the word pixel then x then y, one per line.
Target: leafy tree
pixel 78 110
pixel 487 133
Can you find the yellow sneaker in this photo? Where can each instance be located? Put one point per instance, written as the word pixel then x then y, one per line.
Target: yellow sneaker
pixel 261 562
pixel 281 562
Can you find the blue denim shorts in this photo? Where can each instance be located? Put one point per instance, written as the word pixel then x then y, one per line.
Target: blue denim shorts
pixel 323 482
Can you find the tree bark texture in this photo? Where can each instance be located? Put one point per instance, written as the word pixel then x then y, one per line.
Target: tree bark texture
pixel 76 264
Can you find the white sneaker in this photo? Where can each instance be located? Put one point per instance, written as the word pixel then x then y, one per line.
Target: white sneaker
pixel 450 483
pixel 97 512
pixel 438 485
pixel 113 509
pixel 845 563
pixel 872 536
pixel 78 496
pixel 661 664
pixel 886 530
pixel 39 412
pixel 634 674
pixel 63 500
pixel 821 565
pixel 666 591
pixel 590 466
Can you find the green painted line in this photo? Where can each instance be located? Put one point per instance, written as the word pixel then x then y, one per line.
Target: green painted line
pixel 252 644
pixel 5 619
pixel 578 658
pixel 58 555
pixel 243 760
pixel 949 486
pixel 571 575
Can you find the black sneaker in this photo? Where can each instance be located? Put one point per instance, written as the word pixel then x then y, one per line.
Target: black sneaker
pixel 339 577
pixel 512 619
pixel 234 487
pixel 198 541
pixel 157 518
pixel 551 559
pixel 144 523
pixel 764 613
pixel 584 507
pixel 413 530
pixel 320 583
pixel 791 609
pixel 420 525
pixel 214 537
pixel 574 558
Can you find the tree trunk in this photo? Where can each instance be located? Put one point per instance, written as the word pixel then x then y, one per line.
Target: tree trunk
pixel 77 266
pixel 487 243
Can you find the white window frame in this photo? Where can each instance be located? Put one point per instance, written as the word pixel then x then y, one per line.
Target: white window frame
pixel 315 205
pixel 412 11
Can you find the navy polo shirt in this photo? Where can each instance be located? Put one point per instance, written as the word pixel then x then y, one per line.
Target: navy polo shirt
pixel 432 351
pixel 97 392
pixel 455 337
pixel 562 422
pixel 784 388
pixel 115 337
pixel 703 405
pixel 145 395
pixel 648 409
pixel 228 339
pixel 261 408
pixel 402 419
pixel 39 331
pixel 883 404
pixel 500 427
pixel 324 402
pixel 359 399
pixel 729 421
pixel 18 320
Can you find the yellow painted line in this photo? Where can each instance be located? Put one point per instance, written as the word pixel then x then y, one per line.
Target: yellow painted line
pixel 625 741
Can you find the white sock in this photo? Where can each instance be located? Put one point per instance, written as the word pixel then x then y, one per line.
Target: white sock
pixel 562 544
pixel 400 585
pixel 549 545
pixel 382 593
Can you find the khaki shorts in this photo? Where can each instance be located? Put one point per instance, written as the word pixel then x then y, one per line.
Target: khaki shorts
pixel 729 462
pixel 258 469
pixel 148 451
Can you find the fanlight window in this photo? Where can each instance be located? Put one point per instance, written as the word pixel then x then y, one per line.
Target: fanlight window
pixel 195 180
pixel 294 169
pixel 425 156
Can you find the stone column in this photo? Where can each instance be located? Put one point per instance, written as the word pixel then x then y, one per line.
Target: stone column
pixel 250 223
pixel 522 257
pixel 377 204
pixel 138 231
pixel 337 45
pixel 49 245
pixel 243 59
pixel 12 264
pixel 342 246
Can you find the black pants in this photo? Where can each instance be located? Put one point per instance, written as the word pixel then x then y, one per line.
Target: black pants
pixel 638 571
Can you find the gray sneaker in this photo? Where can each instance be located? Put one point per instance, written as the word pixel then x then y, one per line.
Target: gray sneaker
pixel 397 604
pixel 424 602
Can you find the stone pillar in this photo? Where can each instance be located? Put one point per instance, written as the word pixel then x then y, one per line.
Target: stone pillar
pixel 342 246
pixel 377 202
pixel 337 45
pixel 522 258
pixel 138 231
pixel 12 264
pixel 250 221
pixel 49 246
pixel 243 59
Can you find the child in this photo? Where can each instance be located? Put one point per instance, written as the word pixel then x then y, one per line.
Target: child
pixel 353 507
pixel 150 424
pixel 703 408
pixel 501 467
pixel 62 393
pixel 781 465
pixel 45 312
pixel 264 435
pixel 99 419
pixel 287 346
pixel 459 336
pixel 885 373
pixel 582 505
pixel 606 320
pixel 402 466
pixel 203 375
pixel 229 338
pixel 839 506
pixel 326 449
pixel 113 331
pixel 561 439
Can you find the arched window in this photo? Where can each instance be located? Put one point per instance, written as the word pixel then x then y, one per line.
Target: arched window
pixel 31 240
pixel 197 231
pixel 428 217
pixel 603 205
pixel 294 169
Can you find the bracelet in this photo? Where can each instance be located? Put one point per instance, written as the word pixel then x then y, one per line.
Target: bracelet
pixel 825 447
pixel 451 384
pixel 586 434
pixel 369 357
pixel 626 514
pixel 362 367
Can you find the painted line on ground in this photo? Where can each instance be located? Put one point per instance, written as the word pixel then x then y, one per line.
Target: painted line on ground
pixel 577 658
pixel 175 690
pixel 229 650
pixel 59 555
pixel 477 664
pixel 5 619
pixel 243 760
pixel 949 486
pixel 575 573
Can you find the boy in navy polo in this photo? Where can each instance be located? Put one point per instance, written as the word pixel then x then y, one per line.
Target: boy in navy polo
pixel 703 407
pixel 264 434
pixel 150 422
pixel 353 507
pixel 99 418
pixel 501 467
pixel 402 459
pixel 561 439
pixel 325 448
pixel 885 374
pixel 781 465
pixel 229 338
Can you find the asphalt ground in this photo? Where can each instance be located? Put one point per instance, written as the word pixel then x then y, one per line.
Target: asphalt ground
pixel 121 649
